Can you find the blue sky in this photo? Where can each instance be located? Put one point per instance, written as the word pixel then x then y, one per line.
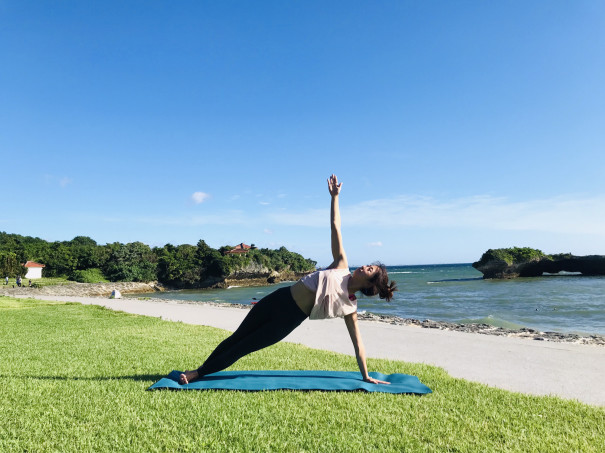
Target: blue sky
pixel 455 126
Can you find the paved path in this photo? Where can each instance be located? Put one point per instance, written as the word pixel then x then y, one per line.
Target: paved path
pixel 528 366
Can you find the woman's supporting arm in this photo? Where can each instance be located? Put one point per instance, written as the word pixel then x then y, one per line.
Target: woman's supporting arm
pixel 360 352
pixel 338 252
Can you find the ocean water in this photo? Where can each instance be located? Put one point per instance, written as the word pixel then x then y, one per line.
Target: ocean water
pixel 457 293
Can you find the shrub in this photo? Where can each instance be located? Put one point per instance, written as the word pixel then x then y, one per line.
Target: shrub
pixel 93 275
pixel 513 255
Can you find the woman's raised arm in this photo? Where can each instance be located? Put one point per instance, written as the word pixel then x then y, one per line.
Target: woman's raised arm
pixel 338 252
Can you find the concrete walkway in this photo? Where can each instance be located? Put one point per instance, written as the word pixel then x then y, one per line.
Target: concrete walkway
pixel 539 368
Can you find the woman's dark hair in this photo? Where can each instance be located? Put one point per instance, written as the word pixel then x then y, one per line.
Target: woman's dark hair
pixel 380 284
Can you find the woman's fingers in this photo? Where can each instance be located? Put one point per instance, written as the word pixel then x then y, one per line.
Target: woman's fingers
pixel 376 381
pixel 333 184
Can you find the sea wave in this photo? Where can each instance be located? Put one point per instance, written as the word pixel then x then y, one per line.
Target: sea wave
pixel 455 280
pixel 459 293
pixel 492 321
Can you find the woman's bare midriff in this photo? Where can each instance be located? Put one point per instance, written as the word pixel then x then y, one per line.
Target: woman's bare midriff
pixel 303 296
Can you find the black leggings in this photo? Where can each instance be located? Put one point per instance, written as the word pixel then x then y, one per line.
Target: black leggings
pixel 269 321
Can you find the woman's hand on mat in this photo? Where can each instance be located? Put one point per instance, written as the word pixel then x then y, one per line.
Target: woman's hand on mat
pixel 371 380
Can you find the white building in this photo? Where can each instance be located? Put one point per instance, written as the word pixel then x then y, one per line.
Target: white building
pixel 34 270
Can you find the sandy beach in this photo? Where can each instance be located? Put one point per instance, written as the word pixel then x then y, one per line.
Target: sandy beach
pixel 567 370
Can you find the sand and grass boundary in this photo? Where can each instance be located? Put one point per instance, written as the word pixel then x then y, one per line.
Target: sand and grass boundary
pixel 73 378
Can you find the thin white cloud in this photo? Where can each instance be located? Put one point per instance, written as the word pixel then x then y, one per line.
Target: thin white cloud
pixel 309 218
pixel 561 214
pixel 264 203
pixel 375 244
pixel 62 182
pixel 199 197
pixel 111 219
pixel 227 218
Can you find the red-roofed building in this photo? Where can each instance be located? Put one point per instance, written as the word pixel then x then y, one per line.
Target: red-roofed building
pixel 34 270
pixel 239 248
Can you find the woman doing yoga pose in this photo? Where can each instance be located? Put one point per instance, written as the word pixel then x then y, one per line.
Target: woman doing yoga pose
pixel 322 294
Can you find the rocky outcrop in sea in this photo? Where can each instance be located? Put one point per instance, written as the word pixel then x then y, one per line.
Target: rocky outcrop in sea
pixel 550 264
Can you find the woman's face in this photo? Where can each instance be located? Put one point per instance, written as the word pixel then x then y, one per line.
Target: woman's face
pixel 366 272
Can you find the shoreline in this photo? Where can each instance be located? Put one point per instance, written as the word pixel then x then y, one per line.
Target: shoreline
pixel 129 290
pixel 482 329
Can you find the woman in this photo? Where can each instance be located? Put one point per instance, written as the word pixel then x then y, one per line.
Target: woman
pixel 322 294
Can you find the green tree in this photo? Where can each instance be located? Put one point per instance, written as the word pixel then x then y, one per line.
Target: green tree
pixel 83 241
pixel 210 261
pixel 13 243
pixel 133 262
pixel 177 265
pixel 86 252
pixel 59 260
pixel 10 265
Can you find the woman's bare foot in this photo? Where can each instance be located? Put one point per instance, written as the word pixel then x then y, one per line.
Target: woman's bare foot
pixel 188 376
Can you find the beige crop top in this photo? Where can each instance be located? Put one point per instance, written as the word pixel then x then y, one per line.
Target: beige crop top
pixel 331 293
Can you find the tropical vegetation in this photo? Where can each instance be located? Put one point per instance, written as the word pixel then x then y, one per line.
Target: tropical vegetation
pixel 83 260
pixel 513 255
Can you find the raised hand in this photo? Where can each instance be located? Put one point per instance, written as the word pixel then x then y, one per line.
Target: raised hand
pixel 333 185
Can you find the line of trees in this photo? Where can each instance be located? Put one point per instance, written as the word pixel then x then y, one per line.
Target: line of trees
pixel 82 259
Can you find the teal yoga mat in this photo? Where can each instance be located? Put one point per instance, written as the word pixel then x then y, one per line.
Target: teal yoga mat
pixel 254 381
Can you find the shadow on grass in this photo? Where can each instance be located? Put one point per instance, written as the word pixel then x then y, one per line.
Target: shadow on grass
pixel 135 377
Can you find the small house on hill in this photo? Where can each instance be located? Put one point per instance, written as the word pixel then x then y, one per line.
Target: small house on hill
pixel 239 248
pixel 34 270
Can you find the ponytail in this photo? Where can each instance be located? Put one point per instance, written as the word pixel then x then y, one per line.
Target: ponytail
pixel 380 284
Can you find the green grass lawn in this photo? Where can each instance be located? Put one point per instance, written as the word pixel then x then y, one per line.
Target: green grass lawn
pixel 73 378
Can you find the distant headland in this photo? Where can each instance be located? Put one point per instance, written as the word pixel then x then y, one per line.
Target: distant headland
pixel 527 262
pixel 182 266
